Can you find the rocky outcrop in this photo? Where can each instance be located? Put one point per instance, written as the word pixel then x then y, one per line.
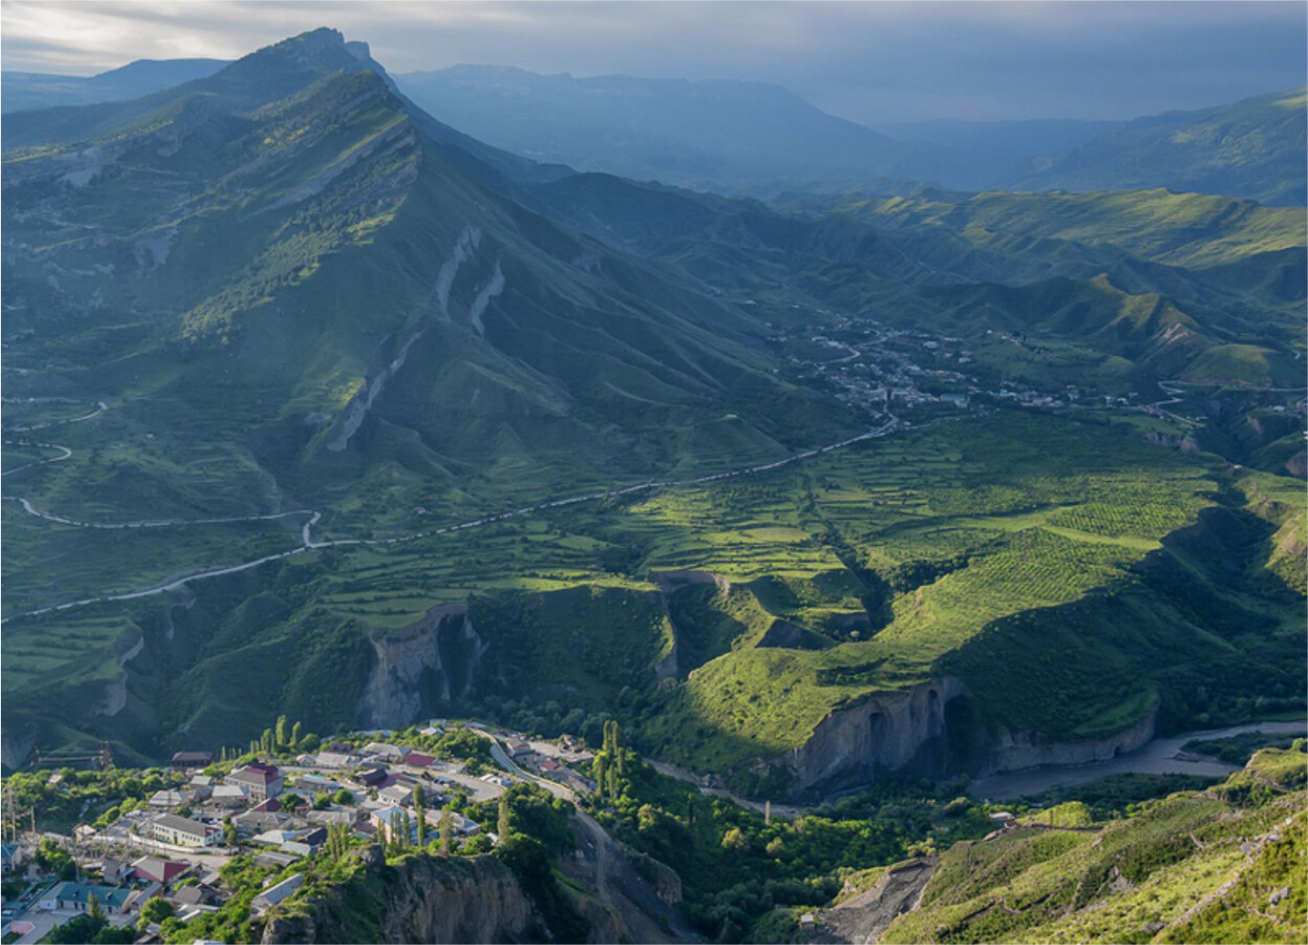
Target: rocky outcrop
pixel 427 663
pixel 915 731
pixel 881 733
pixel 422 899
pixel 865 916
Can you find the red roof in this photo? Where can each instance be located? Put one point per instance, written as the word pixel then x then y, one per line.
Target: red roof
pixel 256 773
pixel 418 759
pixel 158 870
pixel 270 806
pixel 549 764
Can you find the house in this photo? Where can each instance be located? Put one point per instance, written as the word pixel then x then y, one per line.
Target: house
pixel 1004 819
pixel 191 759
pixel 200 894
pixel 382 750
pixel 317 784
pixel 549 765
pixel 253 822
pixel 371 777
pixel 399 794
pixel 276 859
pixel 279 893
pixel 418 760
pixel 334 759
pixel 182 831
pixel 260 781
pixel 229 795
pixel 155 869
pixel 270 806
pixel 12 855
pixel 323 818
pixel 807 921
pixel 389 823
pixel 519 747
pixel 168 800
pixel 76 897
pixel 114 871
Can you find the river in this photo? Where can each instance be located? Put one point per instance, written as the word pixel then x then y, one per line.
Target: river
pixel 1160 756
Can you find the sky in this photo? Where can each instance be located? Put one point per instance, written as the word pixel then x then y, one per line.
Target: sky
pixel 873 62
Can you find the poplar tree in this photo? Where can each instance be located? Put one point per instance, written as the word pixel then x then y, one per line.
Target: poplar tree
pixel 419 804
pixel 447 830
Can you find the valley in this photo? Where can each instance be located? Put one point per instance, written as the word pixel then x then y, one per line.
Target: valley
pixel 738 559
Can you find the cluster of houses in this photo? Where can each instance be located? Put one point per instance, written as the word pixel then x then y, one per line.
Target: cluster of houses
pixel 379 780
pixel 369 790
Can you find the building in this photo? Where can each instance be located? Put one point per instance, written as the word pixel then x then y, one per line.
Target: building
pixel 229 795
pixel 418 760
pixel 155 869
pixel 399 794
pixel 334 759
pixel 382 750
pixel 182 831
pixel 192 759
pixel 12 855
pixel 260 781
pixel 389 823
pixel 76 897
pixel 169 799
pixel 279 893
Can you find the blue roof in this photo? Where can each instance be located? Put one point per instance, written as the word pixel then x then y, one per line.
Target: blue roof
pixel 82 892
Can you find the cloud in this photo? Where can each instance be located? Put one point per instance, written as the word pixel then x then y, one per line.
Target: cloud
pixel 867 61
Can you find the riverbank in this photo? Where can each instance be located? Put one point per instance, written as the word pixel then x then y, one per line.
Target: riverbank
pixel 1160 756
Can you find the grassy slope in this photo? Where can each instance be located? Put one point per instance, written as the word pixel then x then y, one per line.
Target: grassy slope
pixel 1172 872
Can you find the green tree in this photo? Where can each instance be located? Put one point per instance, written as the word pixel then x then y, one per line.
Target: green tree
pixel 297 734
pixel 419 805
pixel 229 832
pixel 95 911
pixel 282 736
pixel 447 830
pixel 343 797
pixel 774 847
pixel 156 910
pixel 735 841
pixel 503 825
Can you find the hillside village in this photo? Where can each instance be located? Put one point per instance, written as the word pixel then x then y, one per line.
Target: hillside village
pixel 180 843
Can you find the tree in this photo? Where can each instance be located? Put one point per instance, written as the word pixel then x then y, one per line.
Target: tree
pixel 447 830
pixel 343 797
pixel 735 841
pixel 502 828
pixel 297 732
pixel 282 736
pixel 229 832
pixel 96 913
pixel 419 805
pixel 774 847
pixel 156 910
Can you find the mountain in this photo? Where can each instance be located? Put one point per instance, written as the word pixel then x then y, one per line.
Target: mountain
pixel 22 91
pixel 671 130
pixel 1254 148
pixel 997 150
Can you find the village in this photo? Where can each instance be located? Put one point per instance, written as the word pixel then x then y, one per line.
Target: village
pixel 163 859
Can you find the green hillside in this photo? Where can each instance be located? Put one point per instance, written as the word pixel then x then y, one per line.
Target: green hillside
pixel 1225 865
pixel 1254 148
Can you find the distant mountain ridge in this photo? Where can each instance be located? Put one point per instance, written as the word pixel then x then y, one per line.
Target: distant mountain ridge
pixel 1254 148
pixel 673 130
pixel 22 91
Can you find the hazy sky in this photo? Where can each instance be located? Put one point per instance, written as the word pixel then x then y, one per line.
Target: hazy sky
pixel 869 62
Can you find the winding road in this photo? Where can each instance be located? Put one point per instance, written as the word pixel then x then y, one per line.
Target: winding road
pixel 308 544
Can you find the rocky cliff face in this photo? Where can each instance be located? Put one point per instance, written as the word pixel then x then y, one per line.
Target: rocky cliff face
pixel 431 661
pixel 423 899
pixel 917 731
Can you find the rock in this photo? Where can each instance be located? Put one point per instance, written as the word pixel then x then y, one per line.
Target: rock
pixel 1278 895
pixel 372 857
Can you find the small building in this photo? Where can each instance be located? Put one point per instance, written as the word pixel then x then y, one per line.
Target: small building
pixel 399 794
pixel 1003 818
pixel 383 750
pixel 156 869
pixel 389 823
pixel 270 806
pixel 418 760
pixel 254 822
pixel 334 759
pixel 259 780
pixel 76 897
pixel 279 893
pixel 169 800
pixel 184 760
pixel 229 795
pixel 12 856
pixel 197 895
pixel 519 747
pixel 182 831
pixel 549 765
pixel 807 922
pixel 371 777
